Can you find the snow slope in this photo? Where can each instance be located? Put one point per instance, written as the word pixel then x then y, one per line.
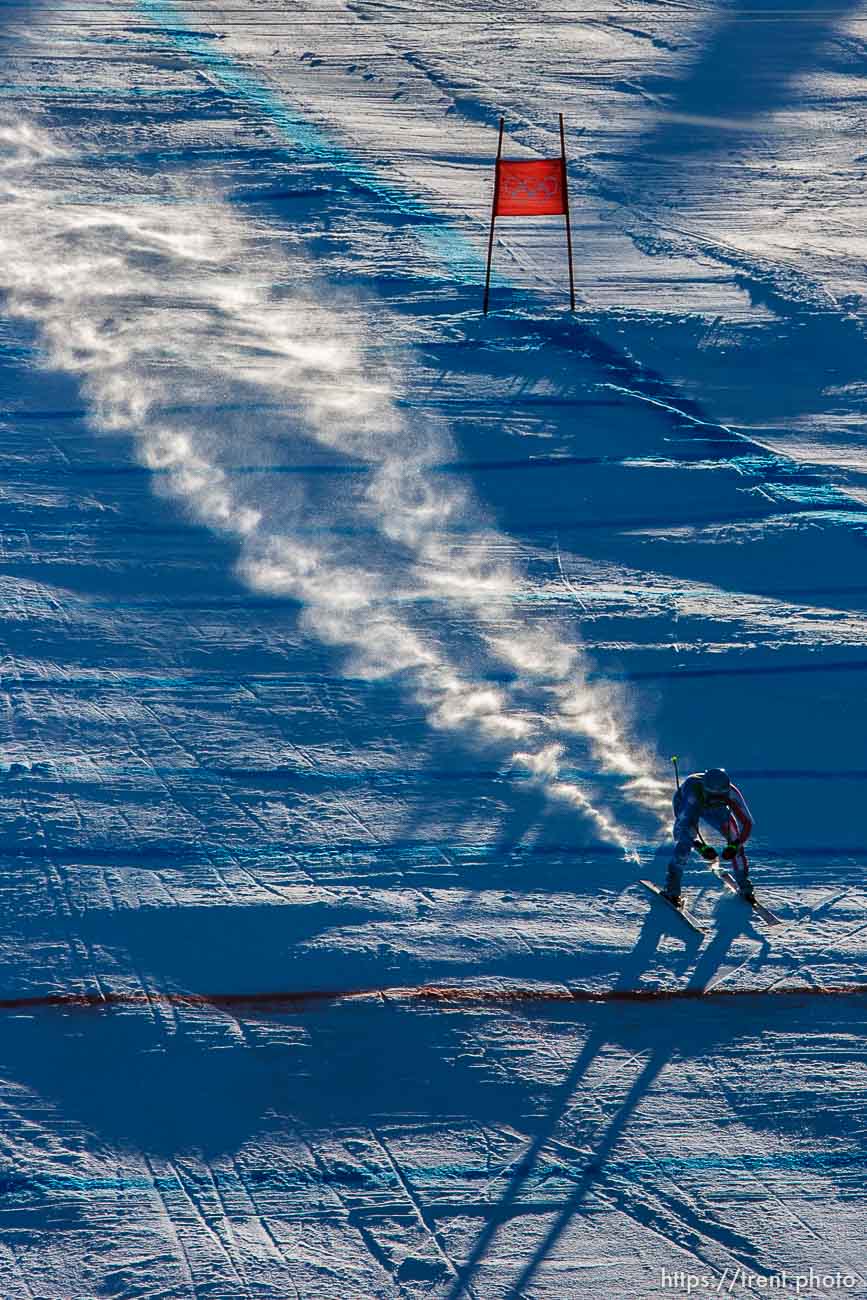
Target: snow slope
pixel 347 636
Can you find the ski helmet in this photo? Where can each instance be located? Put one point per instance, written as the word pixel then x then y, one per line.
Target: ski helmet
pixel 716 783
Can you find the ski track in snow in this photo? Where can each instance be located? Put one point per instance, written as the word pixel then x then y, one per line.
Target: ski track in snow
pixel 346 637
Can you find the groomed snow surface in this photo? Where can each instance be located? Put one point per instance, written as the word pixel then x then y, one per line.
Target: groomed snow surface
pixel 347 636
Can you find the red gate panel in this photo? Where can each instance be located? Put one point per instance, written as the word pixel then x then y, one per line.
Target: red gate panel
pixel 530 189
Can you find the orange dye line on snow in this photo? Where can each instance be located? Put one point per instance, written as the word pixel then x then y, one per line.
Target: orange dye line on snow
pixel 455 994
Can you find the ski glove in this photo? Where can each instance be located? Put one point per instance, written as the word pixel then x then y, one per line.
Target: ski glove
pixel 706 851
pixel 730 851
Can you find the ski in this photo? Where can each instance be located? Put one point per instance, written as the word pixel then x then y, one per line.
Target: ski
pixel 680 911
pixel 769 917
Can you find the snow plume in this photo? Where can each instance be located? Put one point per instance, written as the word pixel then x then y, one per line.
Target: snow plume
pixel 161 314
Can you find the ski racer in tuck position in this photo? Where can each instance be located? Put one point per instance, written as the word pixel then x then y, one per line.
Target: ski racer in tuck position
pixel 712 798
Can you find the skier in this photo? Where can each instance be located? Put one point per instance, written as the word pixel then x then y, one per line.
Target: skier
pixel 710 797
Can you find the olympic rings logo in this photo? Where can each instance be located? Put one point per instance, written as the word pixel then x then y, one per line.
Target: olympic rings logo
pixel 519 190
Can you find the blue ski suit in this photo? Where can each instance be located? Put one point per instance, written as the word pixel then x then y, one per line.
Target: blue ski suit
pixel 727 814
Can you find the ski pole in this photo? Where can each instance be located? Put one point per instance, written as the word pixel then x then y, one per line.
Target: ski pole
pixel 676 773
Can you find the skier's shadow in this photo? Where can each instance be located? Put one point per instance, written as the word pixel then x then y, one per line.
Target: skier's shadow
pixel 659 924
pixel 656 926
pixel 733 921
